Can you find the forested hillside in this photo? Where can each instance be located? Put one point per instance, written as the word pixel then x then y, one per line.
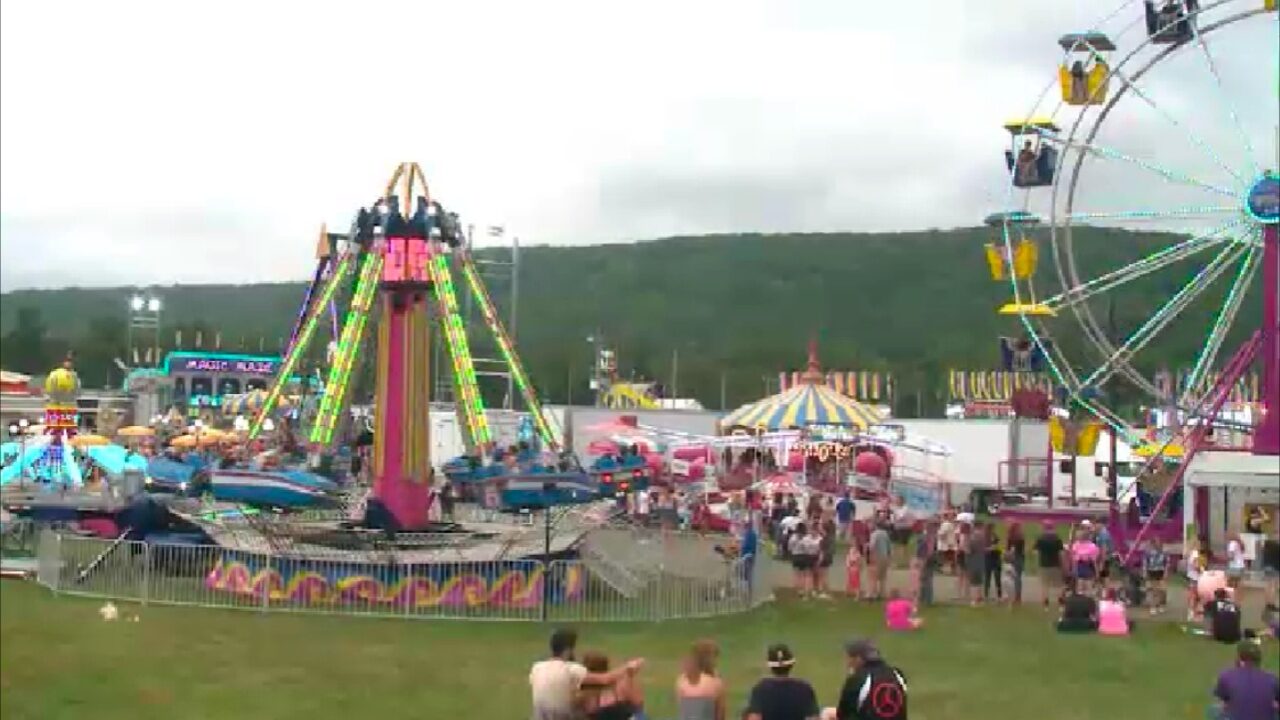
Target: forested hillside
pixel 734 308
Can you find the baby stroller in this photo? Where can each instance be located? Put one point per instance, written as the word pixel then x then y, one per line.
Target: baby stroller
pixel 1133 585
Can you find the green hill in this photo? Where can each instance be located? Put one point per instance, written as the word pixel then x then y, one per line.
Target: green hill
pixel 736 308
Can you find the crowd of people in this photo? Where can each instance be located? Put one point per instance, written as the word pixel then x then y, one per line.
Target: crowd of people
pixel 562 688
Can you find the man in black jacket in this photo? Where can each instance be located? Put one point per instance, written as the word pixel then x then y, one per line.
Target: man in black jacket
pixel 874 689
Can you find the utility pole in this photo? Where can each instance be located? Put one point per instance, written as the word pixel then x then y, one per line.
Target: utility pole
pixel 722 388
pixel 675 374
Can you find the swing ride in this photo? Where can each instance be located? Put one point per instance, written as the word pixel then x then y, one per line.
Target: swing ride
pixel 1093 138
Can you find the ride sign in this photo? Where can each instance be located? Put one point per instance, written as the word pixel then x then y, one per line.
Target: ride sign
pixel 224 365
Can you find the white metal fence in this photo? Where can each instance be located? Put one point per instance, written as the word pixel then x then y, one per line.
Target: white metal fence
pixel 618 577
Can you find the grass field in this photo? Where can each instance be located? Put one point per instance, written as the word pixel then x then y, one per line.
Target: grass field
pixel 59 660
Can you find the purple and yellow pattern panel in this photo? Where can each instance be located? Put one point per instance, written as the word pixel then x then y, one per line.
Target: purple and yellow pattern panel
pixel 511 584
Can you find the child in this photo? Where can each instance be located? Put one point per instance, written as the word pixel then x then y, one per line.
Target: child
pixel 900 613
pixel 853 572
pixel 1196 564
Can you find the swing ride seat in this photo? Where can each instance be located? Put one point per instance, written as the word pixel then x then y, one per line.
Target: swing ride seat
pixel 1032 309
pixel 1023 263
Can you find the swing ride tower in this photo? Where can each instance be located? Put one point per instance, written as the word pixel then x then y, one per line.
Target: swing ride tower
pixel 402 422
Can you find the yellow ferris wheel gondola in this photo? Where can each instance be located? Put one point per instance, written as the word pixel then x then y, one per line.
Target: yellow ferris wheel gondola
pixel 1018 264
pixel 1085 73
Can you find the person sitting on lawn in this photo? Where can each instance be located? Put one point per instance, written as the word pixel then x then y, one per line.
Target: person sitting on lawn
pixel 780 696
pixel 1245 691
pixel 1222 618
pixel 900 613
pixel 555 682
pixel 700 693
pixel 1112 619
pixel 1079 613
pixel 621 699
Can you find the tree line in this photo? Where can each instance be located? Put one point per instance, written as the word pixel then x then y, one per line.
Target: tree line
pixel 716 316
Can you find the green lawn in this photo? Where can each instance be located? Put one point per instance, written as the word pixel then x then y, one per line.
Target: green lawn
pixel 59 660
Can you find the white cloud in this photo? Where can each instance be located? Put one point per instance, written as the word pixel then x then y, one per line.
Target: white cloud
pixel 160 142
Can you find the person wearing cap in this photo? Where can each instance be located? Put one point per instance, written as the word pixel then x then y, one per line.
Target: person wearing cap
pixel 1245 691
pixel 874 689
pixel 780 696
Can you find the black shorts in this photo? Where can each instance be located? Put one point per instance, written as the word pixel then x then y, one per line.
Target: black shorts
pixel 803 562
pixel 1155 575
pixel 900 536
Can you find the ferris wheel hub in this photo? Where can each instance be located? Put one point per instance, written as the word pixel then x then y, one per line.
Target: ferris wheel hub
pixel 1262 202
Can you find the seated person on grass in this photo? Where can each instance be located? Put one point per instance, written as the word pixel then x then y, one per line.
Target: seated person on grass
pixel 1079 614
pixel 1112 619
pixel 900 613
pixel 1222 618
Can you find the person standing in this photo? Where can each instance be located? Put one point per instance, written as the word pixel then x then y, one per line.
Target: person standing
pixel 1016 555
pixel 1235 562
pixel 975 558
pixel 992 564
pixel 1049 556
pixel 926 563
pixel 780 696
pixel 1155 563
pixel 1245 691
pixel 873 690
pixel 844 515
pixel 881 548
pixel 826 558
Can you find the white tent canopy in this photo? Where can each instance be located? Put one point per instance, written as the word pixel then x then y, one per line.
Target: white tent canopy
pixel 1216 468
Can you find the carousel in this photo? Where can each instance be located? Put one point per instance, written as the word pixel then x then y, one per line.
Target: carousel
pixel 810 403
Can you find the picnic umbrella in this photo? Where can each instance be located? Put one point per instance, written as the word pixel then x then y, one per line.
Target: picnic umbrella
pixel 84 441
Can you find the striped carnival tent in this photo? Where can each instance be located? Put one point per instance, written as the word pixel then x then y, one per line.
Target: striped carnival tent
pixel 251 402
pixel 811 402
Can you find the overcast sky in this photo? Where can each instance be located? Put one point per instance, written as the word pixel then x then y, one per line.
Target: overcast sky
pixel 161 142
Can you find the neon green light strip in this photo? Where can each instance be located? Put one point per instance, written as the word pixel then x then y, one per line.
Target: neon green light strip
pixel 508 351
pixel 337 384
pixel 286 369
pixel 469 402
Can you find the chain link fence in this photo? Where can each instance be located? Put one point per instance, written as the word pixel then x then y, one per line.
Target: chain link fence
pixel 619 575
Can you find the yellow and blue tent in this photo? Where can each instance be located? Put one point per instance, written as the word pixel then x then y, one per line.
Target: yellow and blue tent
pixel 811 402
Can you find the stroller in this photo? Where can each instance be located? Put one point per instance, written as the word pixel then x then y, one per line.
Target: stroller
pixel 1133 584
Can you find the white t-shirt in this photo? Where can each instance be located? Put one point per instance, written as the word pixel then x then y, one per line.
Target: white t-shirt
pixel 642 502
pixel 965 517
pixel 789 523
pixel 1193 565
pixel 554 683
pixel 1235 555
pixel 947 540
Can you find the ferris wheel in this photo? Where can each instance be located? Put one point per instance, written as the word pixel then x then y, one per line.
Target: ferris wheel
pixel 1147 173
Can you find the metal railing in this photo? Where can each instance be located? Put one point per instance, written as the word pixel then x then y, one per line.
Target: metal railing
pixel 684 577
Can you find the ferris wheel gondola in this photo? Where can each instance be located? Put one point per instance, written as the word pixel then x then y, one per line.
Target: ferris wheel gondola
pixel 1104 129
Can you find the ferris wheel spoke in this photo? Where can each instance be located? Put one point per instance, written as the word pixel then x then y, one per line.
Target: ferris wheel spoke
pixel 1195 139
pixel 1222 324
pixel 1189 211
pixel 1146 265
pixel 1103 151
pixel 1226 101
pixel 1162 317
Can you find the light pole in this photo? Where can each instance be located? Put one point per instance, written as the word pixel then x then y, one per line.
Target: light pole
pixel 548 488
pixel 144 314
pixel 19 430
